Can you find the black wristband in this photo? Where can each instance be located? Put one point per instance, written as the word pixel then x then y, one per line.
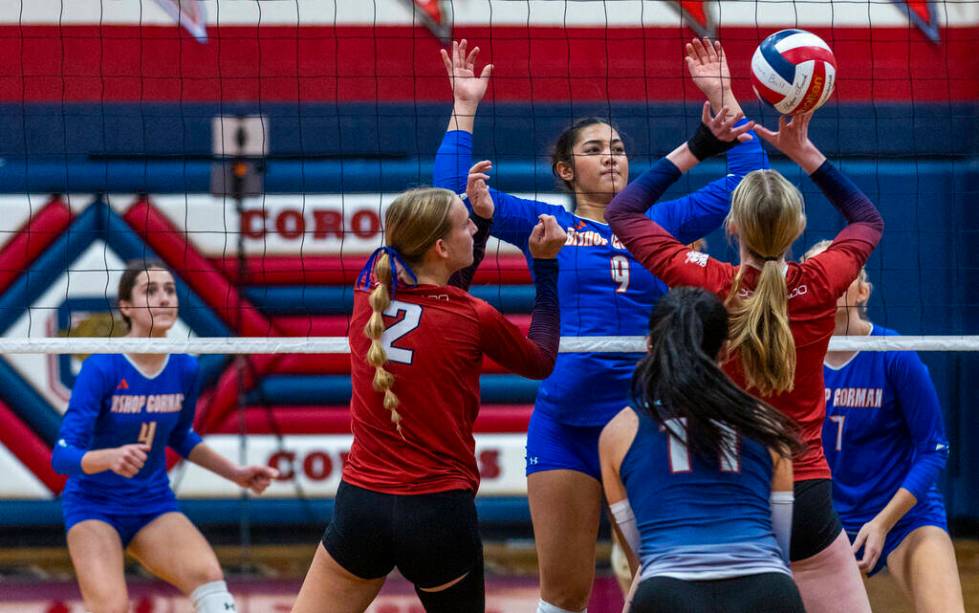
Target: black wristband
pixel 704 144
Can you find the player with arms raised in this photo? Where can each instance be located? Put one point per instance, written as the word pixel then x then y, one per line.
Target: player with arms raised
pixel 604 292
pixel 782 314
pixel 417 339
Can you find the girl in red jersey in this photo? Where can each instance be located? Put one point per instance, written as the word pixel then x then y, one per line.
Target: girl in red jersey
pixel 782 314
pixel 417 340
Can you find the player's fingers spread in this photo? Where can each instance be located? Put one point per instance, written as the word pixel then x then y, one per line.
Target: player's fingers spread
pixel 765 133
pixel 698 48
pixel 471 58
pixel 709 49
pixel 744 128
pixel 487 71
pixel 705 113
pixel 446 61
pixel 721 118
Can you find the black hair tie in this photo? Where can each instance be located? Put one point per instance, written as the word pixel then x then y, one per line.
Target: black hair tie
pixel 704 144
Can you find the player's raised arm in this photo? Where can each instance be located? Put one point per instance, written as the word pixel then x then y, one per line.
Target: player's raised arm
pixel 481 214
pixel 533 356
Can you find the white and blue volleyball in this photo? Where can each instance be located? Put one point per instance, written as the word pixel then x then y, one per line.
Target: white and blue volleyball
pixel 793 71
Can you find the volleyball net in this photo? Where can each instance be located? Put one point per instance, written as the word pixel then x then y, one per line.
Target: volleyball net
pixel 253 147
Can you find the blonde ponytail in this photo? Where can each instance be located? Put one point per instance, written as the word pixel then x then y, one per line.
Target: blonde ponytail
pixel 379 300
pixel 760 331
pixel 767 216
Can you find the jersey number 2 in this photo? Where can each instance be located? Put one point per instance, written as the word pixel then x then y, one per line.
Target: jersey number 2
pixel 412 316
pixel 680 453
pixel 620 272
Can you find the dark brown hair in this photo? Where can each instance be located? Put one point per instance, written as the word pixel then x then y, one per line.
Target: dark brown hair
pixel 128 280
pixel 563 149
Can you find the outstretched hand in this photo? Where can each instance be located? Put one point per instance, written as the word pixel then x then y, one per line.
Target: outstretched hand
pixel 792 139
pixel 467 88
pixel 708 67
pixel 722 125
pixel 478 192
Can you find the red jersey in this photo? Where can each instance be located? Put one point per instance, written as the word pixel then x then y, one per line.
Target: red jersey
pixel 813 287
pixel 435 338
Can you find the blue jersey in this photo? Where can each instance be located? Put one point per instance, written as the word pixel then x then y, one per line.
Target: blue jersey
pixel 114 404
pixel 700 518
pixel 883 431
pixel 603 290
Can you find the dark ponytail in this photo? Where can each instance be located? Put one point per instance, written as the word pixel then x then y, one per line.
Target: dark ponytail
pixel 680 379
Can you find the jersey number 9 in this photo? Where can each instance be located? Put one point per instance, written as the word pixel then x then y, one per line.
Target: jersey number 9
pixel 620 272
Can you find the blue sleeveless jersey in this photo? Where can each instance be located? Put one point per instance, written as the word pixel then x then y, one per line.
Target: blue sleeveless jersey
pixel 883 431
pixel 114 404
pixel 603 290
pixel 700 519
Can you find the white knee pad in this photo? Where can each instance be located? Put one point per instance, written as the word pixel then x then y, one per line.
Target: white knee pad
pixel 546 607
pixel 213 597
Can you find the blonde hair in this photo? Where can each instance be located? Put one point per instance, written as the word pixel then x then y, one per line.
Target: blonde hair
pixel 822 246
pixel 862 276
pixel 767 214
pixel 414 221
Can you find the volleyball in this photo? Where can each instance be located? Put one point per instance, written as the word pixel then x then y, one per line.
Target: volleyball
pixel 793 71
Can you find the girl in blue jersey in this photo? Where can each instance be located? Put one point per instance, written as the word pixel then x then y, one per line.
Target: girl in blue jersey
pixel 603 291
pixel 699 474
pixel 885 443
pixel 125 410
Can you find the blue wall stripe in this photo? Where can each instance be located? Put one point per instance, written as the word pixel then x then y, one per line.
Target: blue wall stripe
pixel 338 300
pixel 336 390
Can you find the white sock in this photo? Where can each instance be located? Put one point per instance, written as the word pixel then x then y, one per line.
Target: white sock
pixel 546 607
pixel 213 597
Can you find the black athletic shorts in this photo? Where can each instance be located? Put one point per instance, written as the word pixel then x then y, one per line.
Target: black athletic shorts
pixel 431 538
pixel 815 524
pixel 767 592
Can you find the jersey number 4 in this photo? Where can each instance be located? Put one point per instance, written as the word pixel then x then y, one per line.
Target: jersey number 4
pixel 411 315
pixel 147 432
pixel 680 462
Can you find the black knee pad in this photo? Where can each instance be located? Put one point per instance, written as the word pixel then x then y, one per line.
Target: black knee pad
pixel 467 596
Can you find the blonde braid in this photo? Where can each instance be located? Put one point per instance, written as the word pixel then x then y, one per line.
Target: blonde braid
pixel 379 300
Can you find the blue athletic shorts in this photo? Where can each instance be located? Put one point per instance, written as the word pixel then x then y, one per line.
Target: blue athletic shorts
pixel 552 445
pixel 126 525
pixel 929 513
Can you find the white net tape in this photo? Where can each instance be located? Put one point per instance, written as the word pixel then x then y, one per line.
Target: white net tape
pixel 336 344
